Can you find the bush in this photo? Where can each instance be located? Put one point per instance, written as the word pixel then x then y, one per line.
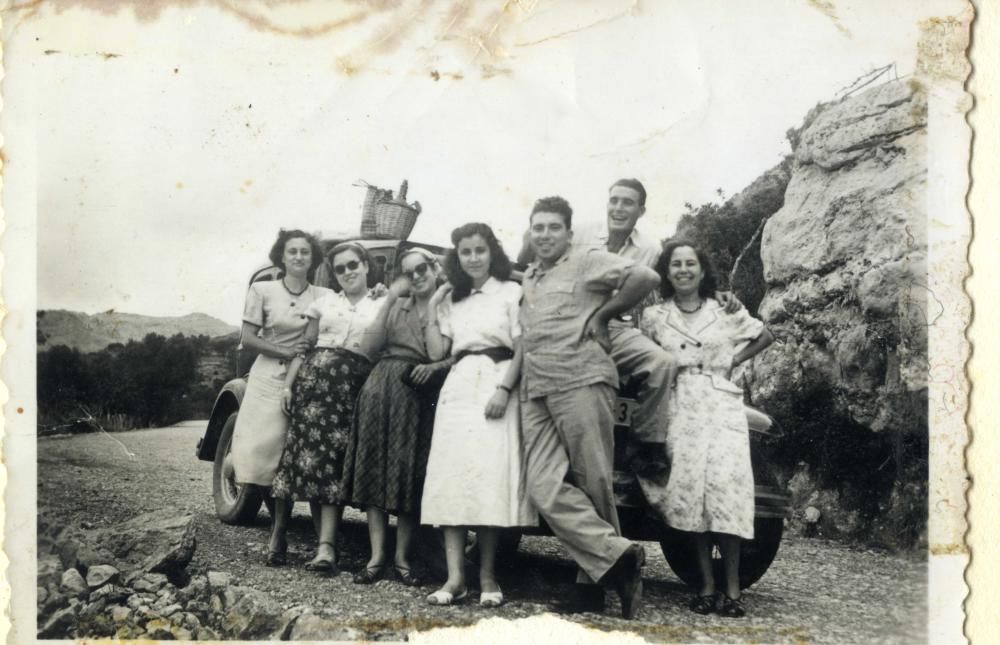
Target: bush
pixel 152 382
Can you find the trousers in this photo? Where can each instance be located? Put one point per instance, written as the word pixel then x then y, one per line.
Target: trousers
pixel 639 358
pixel 569 468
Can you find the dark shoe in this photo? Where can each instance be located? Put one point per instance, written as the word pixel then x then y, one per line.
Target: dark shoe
pixel 626 576
pixel 404 575
pixel 729 607
pixel 277 557
pixel 371 575
pixel 702 604
pixel 583 599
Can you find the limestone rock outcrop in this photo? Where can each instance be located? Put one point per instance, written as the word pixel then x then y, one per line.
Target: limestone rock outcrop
pixel 845 260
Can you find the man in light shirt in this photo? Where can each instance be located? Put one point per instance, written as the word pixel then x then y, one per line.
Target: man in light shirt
pixel 639 360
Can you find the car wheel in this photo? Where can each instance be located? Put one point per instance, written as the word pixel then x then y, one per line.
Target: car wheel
pixel 234 503
pixel 756 555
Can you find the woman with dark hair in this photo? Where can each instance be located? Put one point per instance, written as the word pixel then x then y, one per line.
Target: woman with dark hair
pixel 321 388
pixel 387 456
pixel 274 326
pixel 710 489
pixel 474 476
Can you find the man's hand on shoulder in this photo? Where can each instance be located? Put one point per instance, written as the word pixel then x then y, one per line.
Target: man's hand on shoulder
pixel 730 303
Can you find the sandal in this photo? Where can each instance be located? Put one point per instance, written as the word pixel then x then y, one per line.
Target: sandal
pixel 407 577
pixel 370 575
pixel 442 597
pixel 702 604
pixel 322 564
pixel 277 557
pixel 491 599
pixel 730 607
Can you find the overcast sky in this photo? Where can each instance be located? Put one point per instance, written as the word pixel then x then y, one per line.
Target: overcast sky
pixel 172 145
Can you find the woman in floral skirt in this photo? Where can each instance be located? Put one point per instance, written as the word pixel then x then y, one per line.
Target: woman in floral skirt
pixel 321 389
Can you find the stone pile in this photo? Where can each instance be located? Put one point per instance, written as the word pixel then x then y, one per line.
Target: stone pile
pixel 130 582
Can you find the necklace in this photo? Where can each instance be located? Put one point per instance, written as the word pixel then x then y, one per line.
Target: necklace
pixel 689 311
pixel 292 292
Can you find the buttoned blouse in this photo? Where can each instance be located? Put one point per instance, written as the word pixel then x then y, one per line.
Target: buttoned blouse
pixel 487 317
pixel 703 344
pixel 280 314
pixel 557 304
pixel 342 324
pixel 404 331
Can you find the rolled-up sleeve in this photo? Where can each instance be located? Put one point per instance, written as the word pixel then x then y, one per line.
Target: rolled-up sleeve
pixel 605 272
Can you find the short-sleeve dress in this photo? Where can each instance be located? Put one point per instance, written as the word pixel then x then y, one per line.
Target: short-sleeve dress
pixel 387 456
pixel 710 486
pixel 474 471
pixel 323 401
pixel 259 435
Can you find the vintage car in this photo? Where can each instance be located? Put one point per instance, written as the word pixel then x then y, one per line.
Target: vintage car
pixel 235 504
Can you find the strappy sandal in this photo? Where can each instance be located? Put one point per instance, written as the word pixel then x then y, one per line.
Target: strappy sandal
pixel 323 565
pixel 730 607
pixel 442 597
pixel 702 604
pixel 370 575
pixel 407 577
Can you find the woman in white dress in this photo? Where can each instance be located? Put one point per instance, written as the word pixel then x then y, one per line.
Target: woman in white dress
pixel 710 489
pixel 474 477
pixel 274 326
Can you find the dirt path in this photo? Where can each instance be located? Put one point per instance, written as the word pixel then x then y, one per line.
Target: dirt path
pixel 816 591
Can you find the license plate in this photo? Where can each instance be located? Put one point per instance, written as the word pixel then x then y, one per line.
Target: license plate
pixel 623 412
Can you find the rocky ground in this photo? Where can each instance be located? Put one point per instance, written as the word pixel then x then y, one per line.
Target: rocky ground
pixel 93 487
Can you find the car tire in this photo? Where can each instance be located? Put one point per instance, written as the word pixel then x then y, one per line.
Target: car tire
pixel 234 503
pixel 756 555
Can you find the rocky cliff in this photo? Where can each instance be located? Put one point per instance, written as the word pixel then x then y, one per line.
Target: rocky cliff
pixel 844 260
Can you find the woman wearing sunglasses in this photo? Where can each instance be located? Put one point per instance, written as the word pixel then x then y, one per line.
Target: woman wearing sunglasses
pixel 321 389
pixel 387 456
pixel 474 476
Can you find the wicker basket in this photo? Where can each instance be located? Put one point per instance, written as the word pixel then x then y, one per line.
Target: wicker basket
pixel 373 196
pixel 394 218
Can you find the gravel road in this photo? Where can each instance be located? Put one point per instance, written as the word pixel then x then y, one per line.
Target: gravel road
pixel 817 591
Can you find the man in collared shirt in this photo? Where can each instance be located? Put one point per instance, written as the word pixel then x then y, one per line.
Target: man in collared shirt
pixel 568 384
pixel 637 358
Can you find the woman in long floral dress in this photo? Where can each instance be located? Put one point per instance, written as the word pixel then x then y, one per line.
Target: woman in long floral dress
pixel 710 490
pixel 321 389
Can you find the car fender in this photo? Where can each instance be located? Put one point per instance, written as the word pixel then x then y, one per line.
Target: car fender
pixel 228 401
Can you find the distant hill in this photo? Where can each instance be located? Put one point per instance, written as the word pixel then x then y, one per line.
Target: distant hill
pixel 94 332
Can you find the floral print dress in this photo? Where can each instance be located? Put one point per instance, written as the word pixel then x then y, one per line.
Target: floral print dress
pixel 710 487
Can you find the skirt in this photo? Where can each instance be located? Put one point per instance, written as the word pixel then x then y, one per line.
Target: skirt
pixel 259 435
pixel 323 401
pixel 710 486
pixel 474 471
pixel 387 456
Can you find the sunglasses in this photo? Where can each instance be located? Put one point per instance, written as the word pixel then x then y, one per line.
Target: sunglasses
pixel 341 269
pixel 417 272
